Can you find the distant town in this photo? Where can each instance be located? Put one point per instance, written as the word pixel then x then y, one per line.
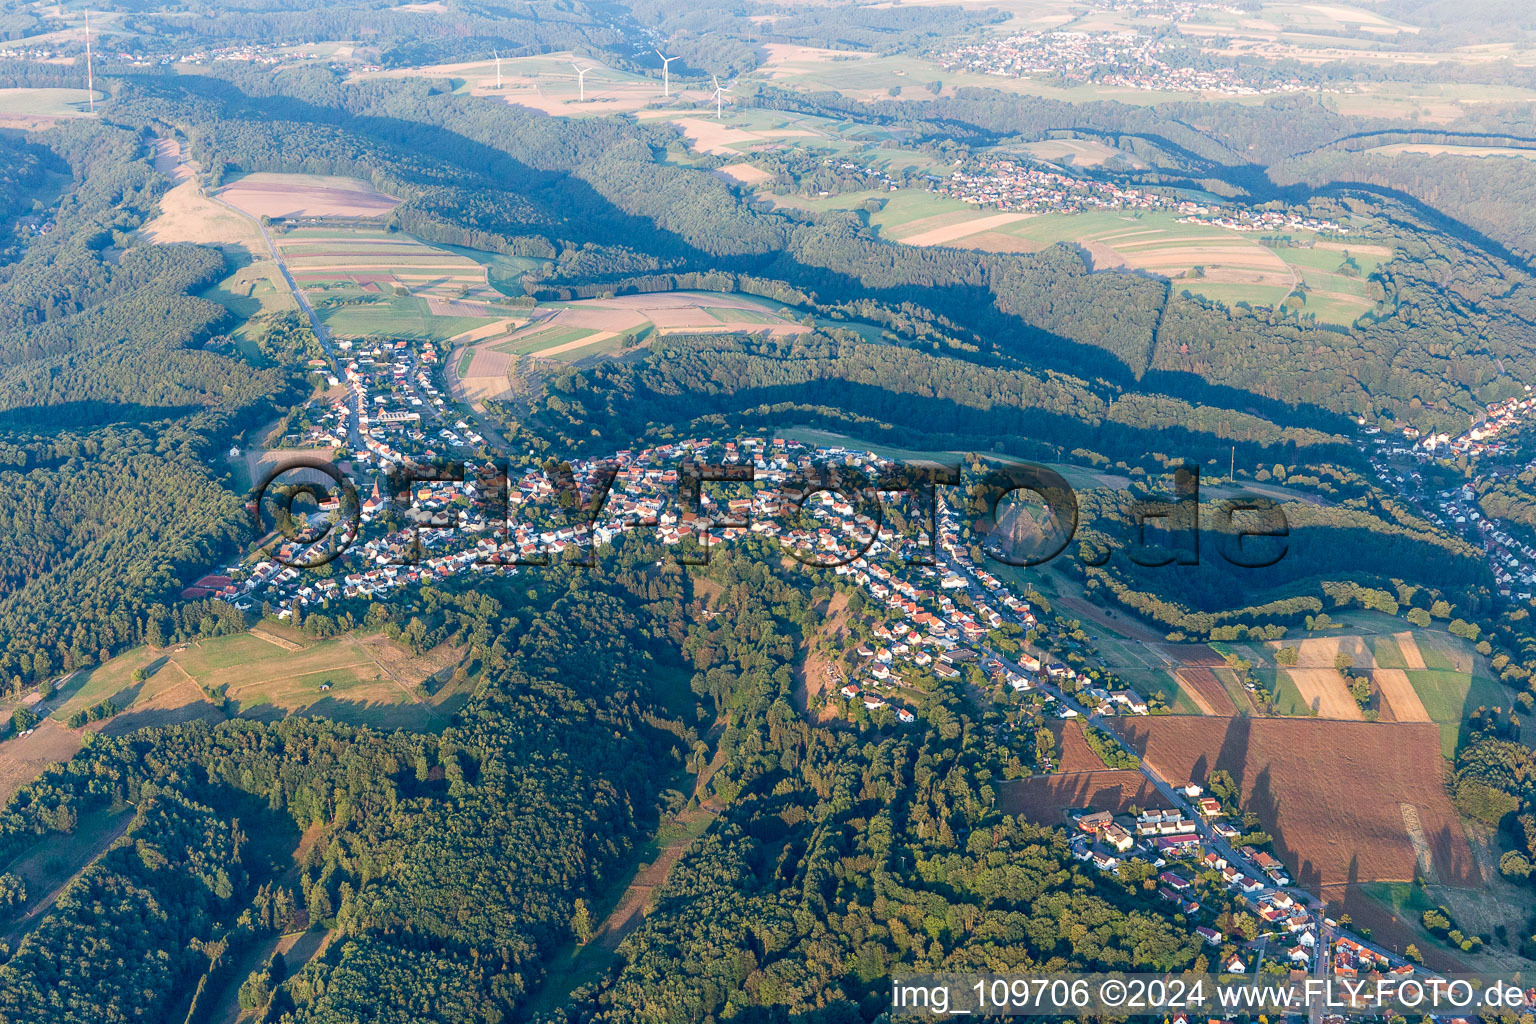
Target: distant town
pixel 1128 60
pixel 1011 185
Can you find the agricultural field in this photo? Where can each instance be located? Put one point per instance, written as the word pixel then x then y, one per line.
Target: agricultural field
pixel 1346 801
pixel 1478 152
pixel 1322 686
pixel 548 83
pixel 370 282
pixel 1082 153
pixel 1427 103
pixel 305 195
pixel 503 273
pixel 254 288
pixel 569 332
pixel 187 215
pixel 747 130
pixel 39 108
pixel 1045 798
pixel 1215 263
pixel 365 680
pixel 1212 262
pixel 1149 670
pixel 396 316
pixel 871 77
pixel 1074 753
pixel 1419 676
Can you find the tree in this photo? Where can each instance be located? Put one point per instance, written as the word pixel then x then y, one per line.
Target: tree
pixel 13 891
pixel 1515 865
pixel 1462 628
pixel 581 922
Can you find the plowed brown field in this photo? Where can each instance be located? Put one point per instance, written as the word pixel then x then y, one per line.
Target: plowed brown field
pixel 1042 799
pixel 1332 793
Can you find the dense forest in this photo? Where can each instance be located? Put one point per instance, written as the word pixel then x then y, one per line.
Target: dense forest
pixel 108 404
pixel 1494 194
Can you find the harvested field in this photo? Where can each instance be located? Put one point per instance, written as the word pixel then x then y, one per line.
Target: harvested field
pixel 1079 153
pixel 1323 690
pixel 955 232
pixel 1000 241
pixel 483 332
pixel 1400 695
pixel 1382 252
pixel 799 58
pixel 547 83
pixel 1321 685
pixel 1233 266
pixel 1428 149
pixel 1332 793
pixel 1044 798
pixel 745 173
pixel 167 160
pixel 456 307
pixel 1412 658
pixel 361 680
pixel 186 215
pixel 488 362
pixel 711 136
pixel 666 312
pixel 306 195
pixel 325 260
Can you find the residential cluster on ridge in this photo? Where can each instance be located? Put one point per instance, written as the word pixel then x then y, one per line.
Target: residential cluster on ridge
pixel 1129 60
pixel 1017 186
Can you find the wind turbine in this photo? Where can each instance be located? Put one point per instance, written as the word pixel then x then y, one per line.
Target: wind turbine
pixel 90 75
pixel 666 78
pixel 719 97
pixel 581 80
pixel 498 68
